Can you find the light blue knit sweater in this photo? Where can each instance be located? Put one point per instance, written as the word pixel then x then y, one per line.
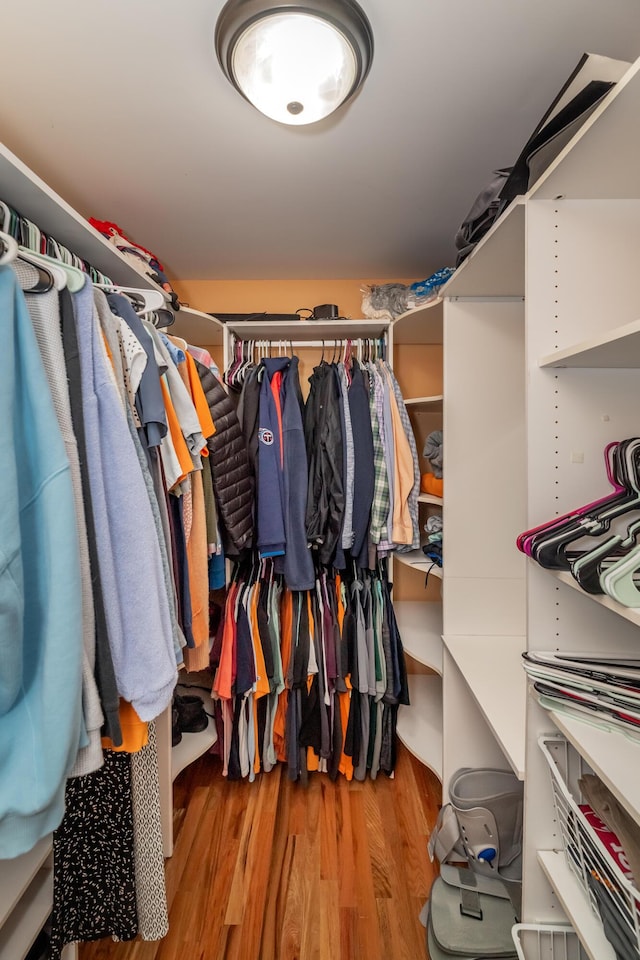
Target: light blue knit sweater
pixel 133 584
pixel 40 595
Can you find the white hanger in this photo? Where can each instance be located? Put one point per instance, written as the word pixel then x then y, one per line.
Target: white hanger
pixel 10 248
pixel 57 270
pixel 152 299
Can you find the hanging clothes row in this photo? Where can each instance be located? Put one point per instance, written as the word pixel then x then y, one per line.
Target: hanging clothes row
pixel 339 472
pixel 114 471
pixel 308 659
pixel 309 678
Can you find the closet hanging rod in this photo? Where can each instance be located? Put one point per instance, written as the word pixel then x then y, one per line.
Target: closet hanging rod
pixel 277 341
pixel 280 341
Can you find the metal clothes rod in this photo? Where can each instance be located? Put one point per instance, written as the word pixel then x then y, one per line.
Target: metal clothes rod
pixel 313 343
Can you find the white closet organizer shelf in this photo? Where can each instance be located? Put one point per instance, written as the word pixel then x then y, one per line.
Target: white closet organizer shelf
pixel 420 725
pixel 614 757
pixel 33 198
pixel 196 327
pixel 429 498
pixel 495 268
pixel 17 874
pixel 618 348
pixel 575 905
pixel 193 745
pixel 316 330
pixel 24 924
pixel 418 561
pixel 424 404
pixel 599 162
pixel 604 600
pixel 420 325
pixel 420 625
pixel 492 668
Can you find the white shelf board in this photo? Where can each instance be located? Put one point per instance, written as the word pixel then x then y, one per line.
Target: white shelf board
pixel 420 625
pixel 496 266
pixel 599 162
pixel 420 325
pixel 22 189
pixel 17 874
pixel 492 668
pixel 27 920
pixel 575 905
pixel 612 756
pixel 420 724
pixel 417 561
pixel 328 330
pixel 627 613
pixel 424 404
pixel 193 745
pixel 616 349
pixel 429 498
pixel 196 327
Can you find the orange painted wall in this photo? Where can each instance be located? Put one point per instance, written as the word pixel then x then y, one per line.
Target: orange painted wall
pixel 273 296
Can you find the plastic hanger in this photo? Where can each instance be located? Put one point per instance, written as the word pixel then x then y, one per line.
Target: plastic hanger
pixel 524 540
pixel 549 549
pixel 148 300
pixel 55 270
pixel 10 249
pixel 619 580
pixel 588 568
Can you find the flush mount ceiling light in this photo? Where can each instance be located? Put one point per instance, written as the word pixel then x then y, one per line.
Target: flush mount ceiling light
pixel 296 62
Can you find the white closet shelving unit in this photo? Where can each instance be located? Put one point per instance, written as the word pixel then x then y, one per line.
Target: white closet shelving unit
pixel 420 622
pixel 541 359
pixel 26 882
pixel 33 198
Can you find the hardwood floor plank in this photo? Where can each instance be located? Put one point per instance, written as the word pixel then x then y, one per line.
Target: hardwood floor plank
pixel 329 924
pixel 281 855
pixel 379 854
pixel 345 844
pixel 329 862
pixel 290 942
pixel 348 933
pixel 368 933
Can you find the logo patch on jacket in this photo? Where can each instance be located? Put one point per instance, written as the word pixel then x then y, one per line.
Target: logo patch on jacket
pixel 266 436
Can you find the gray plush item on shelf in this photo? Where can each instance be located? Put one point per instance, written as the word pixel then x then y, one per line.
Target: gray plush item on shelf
pixel 433 452
pixel 386 301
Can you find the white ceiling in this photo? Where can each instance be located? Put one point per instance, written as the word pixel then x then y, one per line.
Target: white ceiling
pixel 121 106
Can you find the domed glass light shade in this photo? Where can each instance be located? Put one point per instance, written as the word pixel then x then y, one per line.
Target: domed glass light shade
pixel 295 62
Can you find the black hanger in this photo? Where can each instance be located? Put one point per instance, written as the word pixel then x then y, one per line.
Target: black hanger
pixel 587 567
pixel 549 547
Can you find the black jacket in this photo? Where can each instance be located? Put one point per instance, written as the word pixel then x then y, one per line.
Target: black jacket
pixel 229 464
pixel 323 435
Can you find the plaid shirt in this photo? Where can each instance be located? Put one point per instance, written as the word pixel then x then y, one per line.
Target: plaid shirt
pixel 381 499
pixel 415 490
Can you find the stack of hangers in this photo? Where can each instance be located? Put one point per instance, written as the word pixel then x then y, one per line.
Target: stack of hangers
pixel 598 543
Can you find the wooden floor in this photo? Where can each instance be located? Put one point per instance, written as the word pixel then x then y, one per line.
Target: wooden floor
pixel 274 871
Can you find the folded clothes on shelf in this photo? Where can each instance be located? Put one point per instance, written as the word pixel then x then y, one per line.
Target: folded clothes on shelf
pixel 429 483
